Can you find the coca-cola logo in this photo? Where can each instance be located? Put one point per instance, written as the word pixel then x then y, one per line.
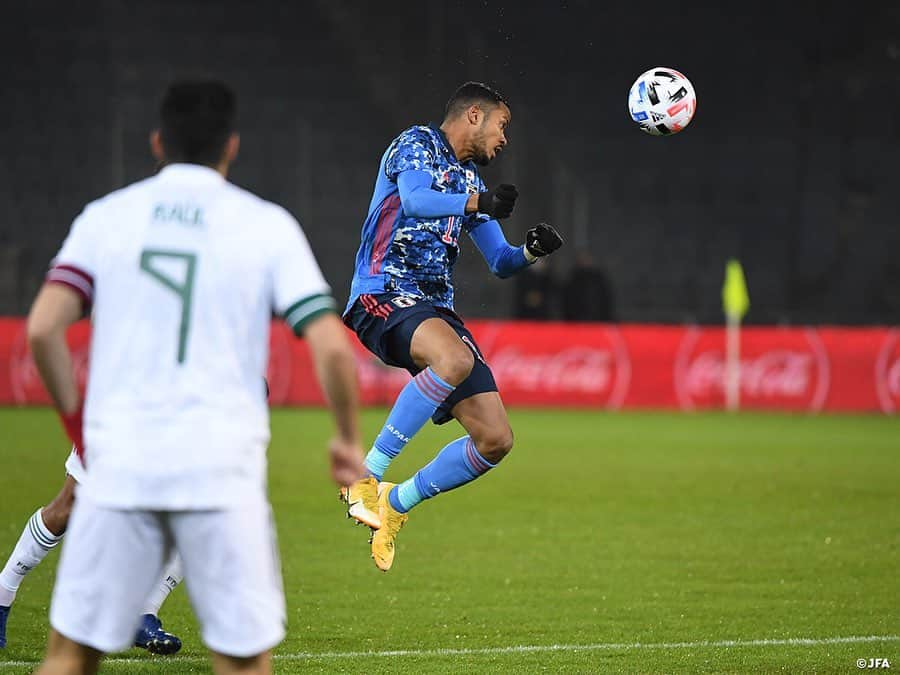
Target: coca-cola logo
pixel 25 380
pixel 775 369
pixel 595 369
pixel 887 373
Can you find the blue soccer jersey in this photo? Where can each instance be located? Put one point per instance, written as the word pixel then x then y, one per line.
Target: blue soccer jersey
pixel 415 254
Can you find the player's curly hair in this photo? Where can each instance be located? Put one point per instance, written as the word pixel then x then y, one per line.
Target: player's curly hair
pixel 196 118
pixel 471 93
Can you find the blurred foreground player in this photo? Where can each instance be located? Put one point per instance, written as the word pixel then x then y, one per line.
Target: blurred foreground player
pixel 427 192
pixel 45 529
pixel 184 271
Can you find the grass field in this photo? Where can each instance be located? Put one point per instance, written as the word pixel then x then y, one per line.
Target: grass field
pixel 604 543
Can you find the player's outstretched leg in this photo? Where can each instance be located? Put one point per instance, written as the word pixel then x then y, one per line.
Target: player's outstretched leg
pixel 460 462
pixel 151 635
pixel 447 361
pixel 42 533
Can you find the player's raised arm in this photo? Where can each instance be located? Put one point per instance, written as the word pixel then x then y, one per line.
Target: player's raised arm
pixel 504 259
pixel 419 200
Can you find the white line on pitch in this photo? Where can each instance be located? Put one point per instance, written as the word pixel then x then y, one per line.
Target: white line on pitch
pixel 523 649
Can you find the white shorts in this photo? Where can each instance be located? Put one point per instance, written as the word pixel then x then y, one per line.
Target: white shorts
pixel 74 467
pixel 112 559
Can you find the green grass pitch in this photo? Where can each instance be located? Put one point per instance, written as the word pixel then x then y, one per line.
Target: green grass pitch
pixel 629 542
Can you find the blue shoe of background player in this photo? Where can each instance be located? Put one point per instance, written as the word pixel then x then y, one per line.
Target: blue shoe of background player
pixel 154 639
pixel 4 614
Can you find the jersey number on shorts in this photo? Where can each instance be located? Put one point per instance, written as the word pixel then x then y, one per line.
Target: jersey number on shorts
pixel 160 265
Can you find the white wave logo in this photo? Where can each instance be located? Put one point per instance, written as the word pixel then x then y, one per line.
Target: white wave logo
pixel 893 379
pixel 887 373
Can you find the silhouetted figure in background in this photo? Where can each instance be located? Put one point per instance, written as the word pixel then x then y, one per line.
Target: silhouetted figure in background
pixel 586 292
pixel 535 294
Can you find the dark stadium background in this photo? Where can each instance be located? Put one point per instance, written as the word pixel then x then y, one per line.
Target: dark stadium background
pixel 647 539
pixel 790 163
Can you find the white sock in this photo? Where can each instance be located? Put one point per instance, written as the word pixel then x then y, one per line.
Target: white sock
pixel 33 546
pixel 172 576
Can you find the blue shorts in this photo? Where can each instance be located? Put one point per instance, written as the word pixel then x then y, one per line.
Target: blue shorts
pixel 385 324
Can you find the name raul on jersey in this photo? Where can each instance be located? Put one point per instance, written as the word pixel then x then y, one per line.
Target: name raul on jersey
pixel 184 213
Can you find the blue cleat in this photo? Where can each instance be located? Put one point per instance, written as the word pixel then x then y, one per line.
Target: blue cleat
pixel 4 615
pixel 154 639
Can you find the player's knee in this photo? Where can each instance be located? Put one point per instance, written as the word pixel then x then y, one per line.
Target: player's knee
pixel 56 514
pixel 454 366
pixel 56 517
pixel 495 444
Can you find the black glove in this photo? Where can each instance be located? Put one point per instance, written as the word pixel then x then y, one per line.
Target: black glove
pixel 542 240
pixel 498 203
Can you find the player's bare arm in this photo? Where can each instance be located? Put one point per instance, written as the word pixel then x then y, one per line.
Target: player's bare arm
pixel 57 307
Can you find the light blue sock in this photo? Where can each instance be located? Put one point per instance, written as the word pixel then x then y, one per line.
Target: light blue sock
pixel 415 405
pixel 457 464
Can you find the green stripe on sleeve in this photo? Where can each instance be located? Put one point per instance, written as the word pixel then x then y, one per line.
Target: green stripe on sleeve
pixel 303 311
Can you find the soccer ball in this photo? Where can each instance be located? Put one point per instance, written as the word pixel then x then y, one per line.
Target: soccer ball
pixel 662 101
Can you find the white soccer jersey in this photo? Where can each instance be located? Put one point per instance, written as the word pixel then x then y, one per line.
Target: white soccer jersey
pixel 184 271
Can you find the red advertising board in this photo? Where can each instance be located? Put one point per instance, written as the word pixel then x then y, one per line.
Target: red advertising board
pixel 587 365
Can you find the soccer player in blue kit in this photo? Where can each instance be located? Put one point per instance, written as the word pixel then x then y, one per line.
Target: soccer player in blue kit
pixel 427 192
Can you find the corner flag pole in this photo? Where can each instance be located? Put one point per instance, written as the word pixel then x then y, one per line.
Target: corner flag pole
pixel 735 302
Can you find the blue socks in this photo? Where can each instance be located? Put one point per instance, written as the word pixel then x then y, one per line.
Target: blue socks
pixel 457 464
pixel 415 405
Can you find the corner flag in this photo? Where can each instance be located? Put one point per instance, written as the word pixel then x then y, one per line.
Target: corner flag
pixel 735 300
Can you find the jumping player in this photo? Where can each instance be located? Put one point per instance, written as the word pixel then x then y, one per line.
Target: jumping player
pixel 427 192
